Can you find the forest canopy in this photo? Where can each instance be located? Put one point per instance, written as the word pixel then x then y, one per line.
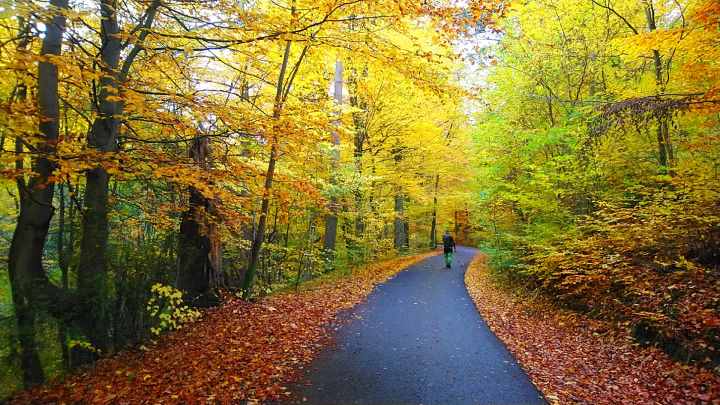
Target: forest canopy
pixel 156 156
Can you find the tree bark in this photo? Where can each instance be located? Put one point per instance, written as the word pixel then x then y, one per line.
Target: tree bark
pixel 664 143
pixel 269 175
pixel 401 239
pixel 27 276
pixel 331 219
pixel 260 234
pixel 63 263
pixel 433 225
pixel 359 121
pixel 92 269
pixel 199 248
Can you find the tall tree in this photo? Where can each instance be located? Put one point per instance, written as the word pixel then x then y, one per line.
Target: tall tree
pixel 666 156
pixel 401 240
pixel 331 219
pixel 433 224
pixel 30 284
pixel 103 137
pixel 280 98
pixel 199 250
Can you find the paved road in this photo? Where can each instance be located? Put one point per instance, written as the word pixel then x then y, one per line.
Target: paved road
pixel 418 340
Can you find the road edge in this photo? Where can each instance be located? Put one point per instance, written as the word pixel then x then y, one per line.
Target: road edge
pixel 473 277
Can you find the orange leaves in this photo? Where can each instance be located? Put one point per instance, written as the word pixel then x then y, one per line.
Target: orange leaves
pixel 708 12
pixel 239 351
pixel 645 265
pixel 574 359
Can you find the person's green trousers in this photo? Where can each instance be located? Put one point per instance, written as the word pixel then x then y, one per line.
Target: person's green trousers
pixel 448 258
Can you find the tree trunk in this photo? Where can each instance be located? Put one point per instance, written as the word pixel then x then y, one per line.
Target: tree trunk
pixel 401 227
pixel 358 151
pixel 269 175
pixel 433 225
pixel 664 143
pixel 331 219
pixel 260 234
pixel 63 263
pixel 27 276
pixel 92 269
pixel 199 249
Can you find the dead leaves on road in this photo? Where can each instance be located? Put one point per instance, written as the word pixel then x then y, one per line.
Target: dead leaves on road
pixel 574 359
pixel 240 351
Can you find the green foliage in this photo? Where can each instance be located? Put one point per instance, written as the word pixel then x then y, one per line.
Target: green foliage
pixel 82 344
pixel 590 216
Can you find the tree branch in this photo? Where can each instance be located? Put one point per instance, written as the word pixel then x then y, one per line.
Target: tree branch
pixel 612 10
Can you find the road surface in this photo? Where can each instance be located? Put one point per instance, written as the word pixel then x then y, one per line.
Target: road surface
pixel 418 339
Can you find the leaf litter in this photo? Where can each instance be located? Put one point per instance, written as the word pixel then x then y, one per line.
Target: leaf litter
pixel 238 352
pixel 574 359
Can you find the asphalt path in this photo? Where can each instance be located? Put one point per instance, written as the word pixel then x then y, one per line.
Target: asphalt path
pixel 418 339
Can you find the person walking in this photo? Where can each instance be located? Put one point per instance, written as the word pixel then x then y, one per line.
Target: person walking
pixel 448 248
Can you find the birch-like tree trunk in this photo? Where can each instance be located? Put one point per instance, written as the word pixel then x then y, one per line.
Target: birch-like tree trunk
pixel 331 219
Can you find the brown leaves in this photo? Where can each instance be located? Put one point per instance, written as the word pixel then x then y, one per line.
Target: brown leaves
pixel 640 110
pixel 240 351
pixel 574 359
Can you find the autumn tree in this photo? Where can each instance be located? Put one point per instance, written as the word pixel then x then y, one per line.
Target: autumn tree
pixel 195 145
pixel 30 284
pixel 583 104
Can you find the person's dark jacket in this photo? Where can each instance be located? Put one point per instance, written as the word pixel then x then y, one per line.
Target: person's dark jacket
pixel 448 244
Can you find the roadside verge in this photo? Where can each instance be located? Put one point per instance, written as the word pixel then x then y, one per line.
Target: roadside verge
pixel 240 351
pixel 574 359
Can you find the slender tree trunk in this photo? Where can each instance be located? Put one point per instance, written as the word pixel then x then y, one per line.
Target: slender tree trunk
pixel 260 234
pixel 433 225
pixel 92 269
pixel 358 145
pixel 359 207
pixel 331 219
pixel 63 263
pixel 401 237
pixel 456 226
pixel 305 248
pixel 287 227
pixel 269 175
pixel 27 276
pixel 273 236
pixel 400 224
pixel 664 143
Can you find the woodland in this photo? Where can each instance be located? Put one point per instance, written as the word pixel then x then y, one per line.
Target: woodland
pixel 160 159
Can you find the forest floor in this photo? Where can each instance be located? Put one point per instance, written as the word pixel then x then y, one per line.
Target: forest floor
pixel 574 359
pixel 417 339
pixel 240 351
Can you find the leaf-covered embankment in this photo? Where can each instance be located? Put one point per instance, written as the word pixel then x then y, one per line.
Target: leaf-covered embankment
pixel 575 359
pixel 239 351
